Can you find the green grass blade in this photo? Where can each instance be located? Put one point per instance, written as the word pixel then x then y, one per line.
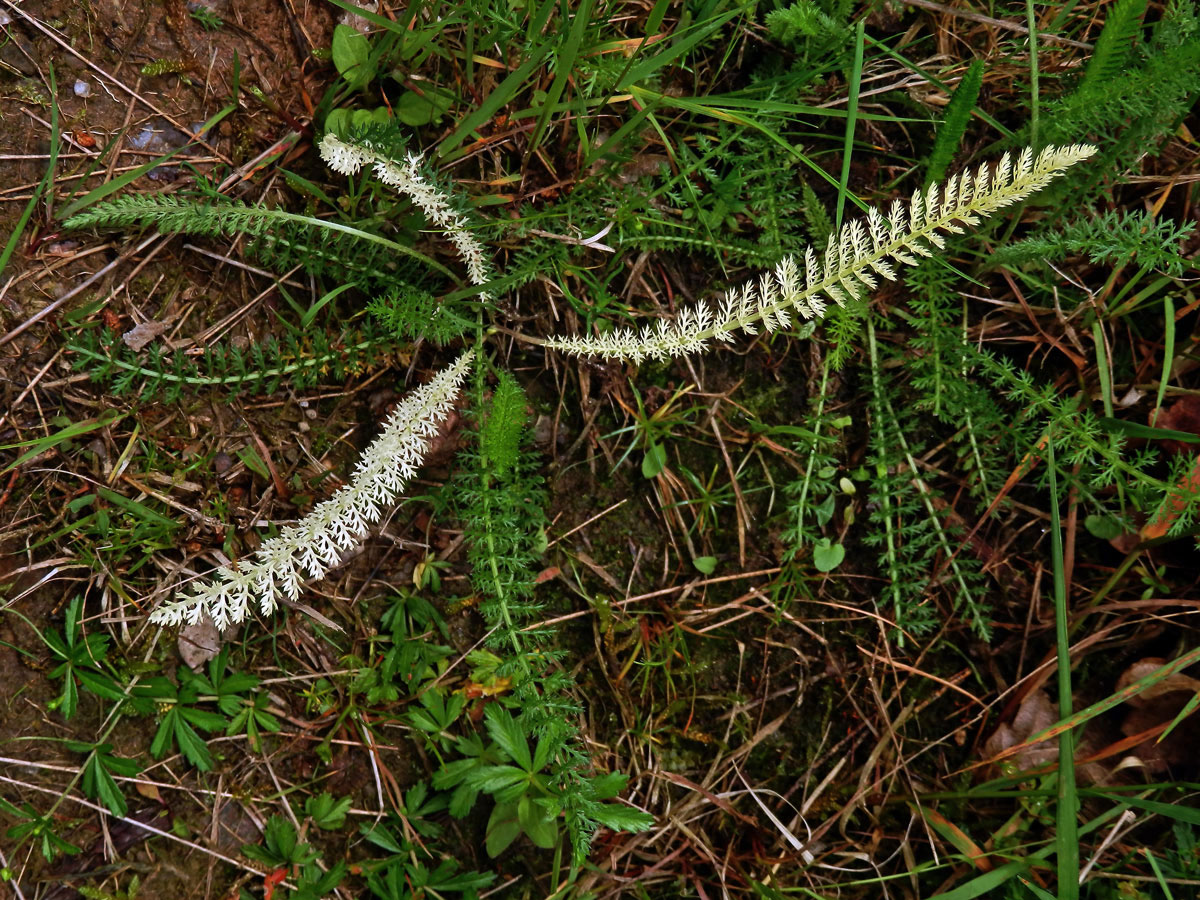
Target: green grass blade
pixel 110 187
pixel 1066 837
pixel 983 885
pixel 512 85
pixel 1177 811
pixel 564 65
pixel 935 81
pixel 1168 351
pixel 1158 874
pixel 1040 893
pixel 677 48
pixel 851 121
pixel 47 179
pixel 1031 23
pixel 503 93
pixel 1106 383
pixel 42 444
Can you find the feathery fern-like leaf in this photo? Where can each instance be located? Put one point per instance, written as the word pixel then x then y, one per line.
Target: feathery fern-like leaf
pixel 500 434
pixel 954 123
pixel 849 267
pixel 259 369
pixel 1116 42
pixel 173 214
pixel 1114 237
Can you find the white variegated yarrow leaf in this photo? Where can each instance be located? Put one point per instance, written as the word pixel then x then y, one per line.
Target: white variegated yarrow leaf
pixel 408 177
pixel 318 542
pixel 851 266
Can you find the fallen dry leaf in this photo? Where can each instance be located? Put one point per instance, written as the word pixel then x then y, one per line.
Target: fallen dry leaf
pixel 199 643
pixel 1168 511
pixel 140 335
pixel 1182 415
pixel 1174 682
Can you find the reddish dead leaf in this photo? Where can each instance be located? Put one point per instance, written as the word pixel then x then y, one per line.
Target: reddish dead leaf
pixel 473 690
pixel 149 791
pixel 1182 415
pixel 272 881
pixel 1168 511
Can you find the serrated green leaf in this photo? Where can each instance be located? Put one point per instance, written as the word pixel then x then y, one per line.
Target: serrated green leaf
pixel 326 811
pixel 191 745
pixel 203 719
pixel 104 788
pixel 99 684
pixel 622 818
pixel 163 737
pixel 954 123
pixel 500 436
pixel 497 778
pixel 605 787
pixel 506 732
pixel 462 801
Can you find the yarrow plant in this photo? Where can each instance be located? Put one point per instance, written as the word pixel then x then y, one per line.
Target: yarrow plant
pixel 851 263
pixel 319 541
pixel 408 177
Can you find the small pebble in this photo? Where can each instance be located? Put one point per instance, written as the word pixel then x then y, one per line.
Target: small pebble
pixel 83 89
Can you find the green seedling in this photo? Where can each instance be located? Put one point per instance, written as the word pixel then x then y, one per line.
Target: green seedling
pixel 83 662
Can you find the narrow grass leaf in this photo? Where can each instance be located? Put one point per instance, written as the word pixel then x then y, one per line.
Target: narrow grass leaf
pixel 564 64
pixel 1187 710
pixel 42 444
pixel 47 178
pixel 1177 811
pixel 957 838
pixel 1066 837
pixel 984 884
pixel 676 49
pixel 1146 432
pixel 1103 706
pixel 1168 351
pixel 1040 893
pixel 111 187
pixel 851 121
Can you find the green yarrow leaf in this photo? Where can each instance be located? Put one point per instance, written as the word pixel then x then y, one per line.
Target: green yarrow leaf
pixel 500 436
